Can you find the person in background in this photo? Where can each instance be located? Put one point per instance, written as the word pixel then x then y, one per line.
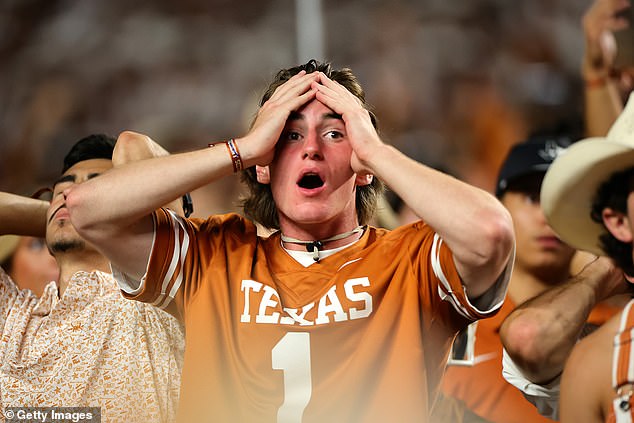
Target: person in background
pixel 81 344
pixel 27 260
pixel 542 261
pixel 32 265
pixel 588 198
pixel 605 85
pixel 537 348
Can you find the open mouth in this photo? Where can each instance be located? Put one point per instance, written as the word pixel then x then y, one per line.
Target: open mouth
pixel 310 181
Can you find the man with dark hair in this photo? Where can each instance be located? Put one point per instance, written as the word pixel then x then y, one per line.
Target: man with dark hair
pixel 540 334
pixel 92 147
pixel 542 263
pixel 613 195
pixel 326 319
pixel 474 373
pixel 588 198
pixel 81 343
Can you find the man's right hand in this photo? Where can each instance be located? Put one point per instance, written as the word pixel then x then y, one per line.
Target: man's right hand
pixel 258 146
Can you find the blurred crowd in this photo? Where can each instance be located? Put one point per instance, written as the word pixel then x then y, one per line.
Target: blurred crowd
pixel 454 83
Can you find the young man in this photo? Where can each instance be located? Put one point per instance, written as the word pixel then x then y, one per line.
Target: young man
pixel 588 198
pixel 81 343
pixel 542 262
pixel 326 319
pixel 540 333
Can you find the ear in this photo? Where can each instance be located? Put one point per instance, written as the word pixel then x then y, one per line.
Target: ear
pixel 262 174
pixel 364 179
pixel 618 224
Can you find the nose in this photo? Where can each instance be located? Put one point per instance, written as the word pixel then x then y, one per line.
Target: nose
pixel 542 221
pixel 311 148
pixel 540 215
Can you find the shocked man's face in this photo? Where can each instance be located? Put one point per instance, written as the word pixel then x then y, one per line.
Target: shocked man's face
pixel 311 177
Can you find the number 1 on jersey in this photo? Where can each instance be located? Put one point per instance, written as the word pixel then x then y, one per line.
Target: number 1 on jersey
pixel 292 355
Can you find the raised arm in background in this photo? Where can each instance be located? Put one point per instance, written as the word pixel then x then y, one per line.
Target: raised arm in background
pixel 22 215
pixel 603 85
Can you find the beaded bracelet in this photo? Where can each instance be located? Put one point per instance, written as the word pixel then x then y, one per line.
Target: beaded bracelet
pixel 236 159
pixel 235 155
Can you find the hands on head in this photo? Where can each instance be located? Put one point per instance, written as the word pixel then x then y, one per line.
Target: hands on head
pixel 295 93
pixel 272 116
pixel 360 130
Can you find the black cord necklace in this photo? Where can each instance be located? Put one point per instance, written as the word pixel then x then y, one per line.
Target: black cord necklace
pixel 315 246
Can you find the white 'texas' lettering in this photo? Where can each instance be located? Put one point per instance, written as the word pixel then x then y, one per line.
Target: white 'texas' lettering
pixel 263 302
pixel 358 296
pixel 246 286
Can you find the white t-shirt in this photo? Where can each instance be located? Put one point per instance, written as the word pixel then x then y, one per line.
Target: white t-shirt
pixel 544 397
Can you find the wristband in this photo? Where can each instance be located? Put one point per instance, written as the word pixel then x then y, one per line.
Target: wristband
pixel 596 82
pixel 235 155
pixel 236 159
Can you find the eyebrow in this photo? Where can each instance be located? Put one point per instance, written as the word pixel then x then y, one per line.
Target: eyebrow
pixel 65 178
pixel 299 116
pixel 73 178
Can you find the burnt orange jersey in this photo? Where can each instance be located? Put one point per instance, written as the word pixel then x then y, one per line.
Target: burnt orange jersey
pixel 359 336
pixel 623 369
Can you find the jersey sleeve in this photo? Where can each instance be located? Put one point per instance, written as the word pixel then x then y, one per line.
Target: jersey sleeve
pixel 451 289
pixel 544 397
pixel 184 255
pixel 170 251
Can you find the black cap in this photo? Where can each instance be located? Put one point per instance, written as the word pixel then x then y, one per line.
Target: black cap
pixel 533 155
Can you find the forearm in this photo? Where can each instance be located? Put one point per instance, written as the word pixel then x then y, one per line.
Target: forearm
pixel 602 97
pixel 22 215
pixel 472 222
pixel 603 105
pixel 540 334
pixel 120 197
pixel 132 147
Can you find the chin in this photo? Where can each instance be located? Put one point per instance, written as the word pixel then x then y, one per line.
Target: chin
pixel 310 213
pixel 309 220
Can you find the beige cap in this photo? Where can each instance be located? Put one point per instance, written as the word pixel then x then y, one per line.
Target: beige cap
pixel 8 244
pixel 574 178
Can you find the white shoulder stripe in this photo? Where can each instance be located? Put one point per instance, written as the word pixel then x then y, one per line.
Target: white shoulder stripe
pixel 450 296
pixel 179 253
pixel 617 347
pixel 626 312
